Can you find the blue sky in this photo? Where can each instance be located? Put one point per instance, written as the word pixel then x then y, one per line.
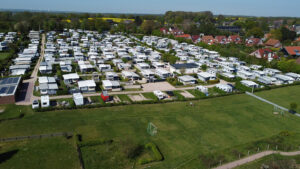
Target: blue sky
pixel 227 7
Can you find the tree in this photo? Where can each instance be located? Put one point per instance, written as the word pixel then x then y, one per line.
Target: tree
pixel 293 106
pixel 256 32
pixel 204 67
pixel 138 21
pixel 148 26
pixel 287 34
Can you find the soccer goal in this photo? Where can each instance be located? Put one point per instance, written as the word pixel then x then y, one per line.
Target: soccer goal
pixel 151 129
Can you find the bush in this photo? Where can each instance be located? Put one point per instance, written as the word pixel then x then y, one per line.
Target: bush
pixel 242 88
pixel 95 142
pixel 131 149
pixel 157 154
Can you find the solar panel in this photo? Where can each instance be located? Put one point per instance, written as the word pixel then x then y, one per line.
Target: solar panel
pixel 11 90
pixel 16 79
pixel 9 80
pixel 3 90
pixel 4 81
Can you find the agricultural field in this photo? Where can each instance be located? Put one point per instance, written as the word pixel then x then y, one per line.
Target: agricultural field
pixel 197 136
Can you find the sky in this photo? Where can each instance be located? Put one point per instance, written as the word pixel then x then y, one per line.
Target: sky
pixel 225 7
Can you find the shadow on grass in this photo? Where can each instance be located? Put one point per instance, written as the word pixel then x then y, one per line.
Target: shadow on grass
pixel 7 155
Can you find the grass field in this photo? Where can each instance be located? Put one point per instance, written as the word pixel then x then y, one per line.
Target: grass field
pixel 184 133
pixel 283 96
pixel 58 153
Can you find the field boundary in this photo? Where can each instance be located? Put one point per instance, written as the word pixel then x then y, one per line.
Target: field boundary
pixel 255 157
pixel 266 101
pixel 20 138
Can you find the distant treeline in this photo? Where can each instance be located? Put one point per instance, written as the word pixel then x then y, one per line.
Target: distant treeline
pixel 190 22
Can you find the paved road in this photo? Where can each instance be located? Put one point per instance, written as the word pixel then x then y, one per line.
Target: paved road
pixel 255 157
pixel 29 83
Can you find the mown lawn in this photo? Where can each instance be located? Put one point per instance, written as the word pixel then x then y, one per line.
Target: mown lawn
pixel 283 96
pixel 58 153
pixel 184 133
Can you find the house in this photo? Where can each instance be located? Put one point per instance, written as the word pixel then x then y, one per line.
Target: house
pixel 104 67
pixel 86 86
pixel 253 42
pixel 184 36
pixel 85 67
pixel 45 68
pixel 295 76
pixel 130 75
pixel 112 76
pixel 221 40
pixel 228 75
pixel 162 73
pixel 66 66
pixel 249 83
pixel 234 39
pixel 196 38
pixel 265 54
pixel 271 72
pixel 274 43
pixel 111 85
pixel 202 89
pixel 160 95
pixel 16 70
pixel 226 88
pixel 71 78
pixel 283 79
pixel 124 66
pixel 142 66
pixel 258 73
pixel 185 68
pixel 148 74
pixel 208 40
pixel 45 101
pixel 78 99
pixel 186 80
pixel 204 76
pixel 266 80
pixel 245 75
pixel 47 85
pixel 291 51
pixel 234 29
pixel 8 89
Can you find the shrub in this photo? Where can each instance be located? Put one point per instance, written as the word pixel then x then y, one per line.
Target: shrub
pixel 157 154
pixel 95 142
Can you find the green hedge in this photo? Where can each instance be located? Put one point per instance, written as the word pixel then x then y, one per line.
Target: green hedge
pixel 95 142
pixel 157 154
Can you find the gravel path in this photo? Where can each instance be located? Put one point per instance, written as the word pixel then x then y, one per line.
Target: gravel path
pixel 255 157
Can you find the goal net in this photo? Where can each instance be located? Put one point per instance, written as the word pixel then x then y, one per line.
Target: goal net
pixel 151 129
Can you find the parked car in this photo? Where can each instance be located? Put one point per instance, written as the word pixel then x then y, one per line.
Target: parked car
pixel 35 104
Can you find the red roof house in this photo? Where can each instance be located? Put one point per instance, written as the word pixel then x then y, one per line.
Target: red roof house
pixel 265 54
pixel 253 42
pixel 234 39
pixel 291 50
pixel 273 43
pixel 208 39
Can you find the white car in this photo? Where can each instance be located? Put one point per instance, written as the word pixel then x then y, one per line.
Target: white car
pixel 35 104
